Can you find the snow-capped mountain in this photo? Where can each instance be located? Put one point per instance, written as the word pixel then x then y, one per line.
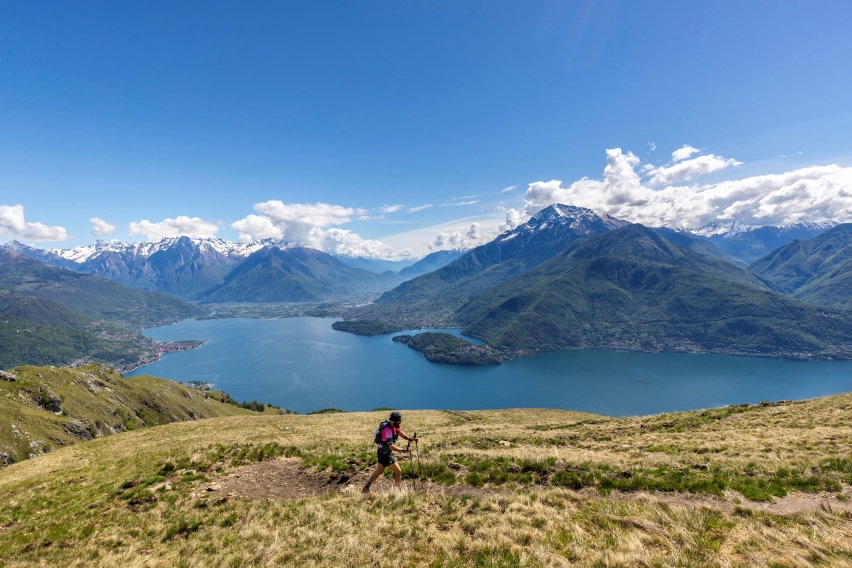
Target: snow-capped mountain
pixel 181 266
pixel 750 242
pixel 214 270
pixel 546 234
pixel 223 247
pixel 559 219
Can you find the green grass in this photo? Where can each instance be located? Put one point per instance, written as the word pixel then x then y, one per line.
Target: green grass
pixel 524 487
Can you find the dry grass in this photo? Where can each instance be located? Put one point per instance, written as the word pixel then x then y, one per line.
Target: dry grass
pixel 68 507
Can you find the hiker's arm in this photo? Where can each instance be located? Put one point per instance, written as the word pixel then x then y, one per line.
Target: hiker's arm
pixel 396 448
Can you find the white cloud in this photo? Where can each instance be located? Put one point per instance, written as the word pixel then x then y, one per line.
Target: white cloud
pixel 457 240
pixel 419 208
pixel 683 152
pixel 390 208
pixel 313 225
pixel 651 147
pixel 255 228
pixel 471 202
pixel 513 219
pixel 684 170
pixel 101 228
pixel 347 243
pixel 14 225
pixel 297 217
pixel 818 193
pixel 508 188
pixel 177 227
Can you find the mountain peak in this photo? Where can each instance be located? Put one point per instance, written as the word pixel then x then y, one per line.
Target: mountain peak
pixel 559 216
pixel 16 246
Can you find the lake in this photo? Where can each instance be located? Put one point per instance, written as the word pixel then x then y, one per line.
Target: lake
pixel 304 365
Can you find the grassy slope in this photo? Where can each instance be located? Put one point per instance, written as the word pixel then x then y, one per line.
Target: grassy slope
pixel 104 503
pixel 45 407
pixel 817 270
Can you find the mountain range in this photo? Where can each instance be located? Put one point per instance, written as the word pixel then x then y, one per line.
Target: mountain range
pixel 747 243
pixel 573 278
pixel 216 270
pixel 568 277
pixel 204 269
pixel 630 288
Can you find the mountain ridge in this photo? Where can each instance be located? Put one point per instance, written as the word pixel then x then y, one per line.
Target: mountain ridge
pixel 816 270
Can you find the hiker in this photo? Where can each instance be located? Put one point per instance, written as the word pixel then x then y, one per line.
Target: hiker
pixel 386 436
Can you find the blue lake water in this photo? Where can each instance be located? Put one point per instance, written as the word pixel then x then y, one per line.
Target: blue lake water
pixel 302 364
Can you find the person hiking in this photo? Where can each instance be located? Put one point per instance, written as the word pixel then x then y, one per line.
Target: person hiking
pixel 386 437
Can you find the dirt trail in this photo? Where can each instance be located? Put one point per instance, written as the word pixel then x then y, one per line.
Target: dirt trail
pixel 275 480
pixel 281 479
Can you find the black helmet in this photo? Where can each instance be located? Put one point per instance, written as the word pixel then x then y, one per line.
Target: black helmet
pixel 395 417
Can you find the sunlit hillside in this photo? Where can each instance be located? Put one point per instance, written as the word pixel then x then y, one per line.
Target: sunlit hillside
pixel 764 484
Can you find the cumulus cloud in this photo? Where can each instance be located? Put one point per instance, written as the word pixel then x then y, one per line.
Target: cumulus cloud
pixel 312 225
pixel 345 242
pixel 457 239
pixel 256 227
pixel 818 193
pixel 513 219
pixel 684 170
pixel 14 225
pixel 178 227
pixel 101 228
pixel 684 152
pixel 419 208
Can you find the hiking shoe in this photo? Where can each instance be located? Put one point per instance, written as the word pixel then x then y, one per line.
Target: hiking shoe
pixel 366 491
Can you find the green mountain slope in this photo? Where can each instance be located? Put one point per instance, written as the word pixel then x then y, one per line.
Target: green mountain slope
pixel 52 316
pixel 24 341
pixel 42 408
pixel 292 275
pixel 514 252
pixel 831 287
pixel 41 311
pixel 632 289
pixel 816 270
pixel 90 296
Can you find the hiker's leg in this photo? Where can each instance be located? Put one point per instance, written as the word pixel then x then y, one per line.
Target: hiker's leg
pixel 397 473
pixel 379 470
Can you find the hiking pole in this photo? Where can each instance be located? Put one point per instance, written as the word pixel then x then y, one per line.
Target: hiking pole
pixel 419 467
pixel 411 463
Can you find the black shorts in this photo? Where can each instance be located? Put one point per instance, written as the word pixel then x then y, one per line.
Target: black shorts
pixel 385 457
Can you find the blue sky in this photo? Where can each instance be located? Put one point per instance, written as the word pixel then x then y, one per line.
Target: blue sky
pixel 152 111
